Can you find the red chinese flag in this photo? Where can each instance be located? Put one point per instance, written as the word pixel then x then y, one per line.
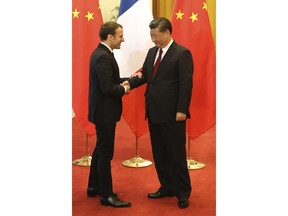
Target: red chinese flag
pixel 86 22
pixel 191 28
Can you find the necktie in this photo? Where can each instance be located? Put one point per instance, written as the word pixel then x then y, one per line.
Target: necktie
pixel 157 62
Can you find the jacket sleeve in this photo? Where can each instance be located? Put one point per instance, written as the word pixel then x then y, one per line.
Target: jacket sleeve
pixel 185 73
pixel 107 78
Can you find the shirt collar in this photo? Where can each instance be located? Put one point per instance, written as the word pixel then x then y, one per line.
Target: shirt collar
pixel 165 49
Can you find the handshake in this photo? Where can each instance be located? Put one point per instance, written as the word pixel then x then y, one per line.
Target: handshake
pixel 126 84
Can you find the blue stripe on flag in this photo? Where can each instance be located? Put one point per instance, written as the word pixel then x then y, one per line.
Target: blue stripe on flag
pixel 125 5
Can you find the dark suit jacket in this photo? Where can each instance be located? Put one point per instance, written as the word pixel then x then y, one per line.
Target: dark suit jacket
pixel 170 90
pixel 105 91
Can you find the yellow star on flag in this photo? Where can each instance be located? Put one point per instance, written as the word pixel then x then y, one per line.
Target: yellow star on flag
pixel 204 6
pixel 179 15
pixel 75 13
pixel 193 17
pixel 89 16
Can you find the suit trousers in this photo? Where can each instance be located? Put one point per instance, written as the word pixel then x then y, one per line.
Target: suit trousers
pixel 169 153
pixel 100 176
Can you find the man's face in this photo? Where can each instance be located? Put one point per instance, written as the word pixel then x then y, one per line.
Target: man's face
pixel 161 39
pixel 117 39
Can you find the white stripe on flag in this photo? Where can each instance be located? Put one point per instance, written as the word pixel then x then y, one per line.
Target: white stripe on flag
pixel 135 22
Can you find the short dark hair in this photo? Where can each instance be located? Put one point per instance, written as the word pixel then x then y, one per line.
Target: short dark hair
pixel 161 22
pixel 108 28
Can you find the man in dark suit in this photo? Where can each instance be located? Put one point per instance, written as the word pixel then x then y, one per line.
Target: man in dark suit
pixel 105 109
pixel 167 97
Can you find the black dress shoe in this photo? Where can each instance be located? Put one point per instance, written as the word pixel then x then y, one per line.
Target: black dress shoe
pixel 158 195
pixel 183 203
pixel 92 192
pixel 114 201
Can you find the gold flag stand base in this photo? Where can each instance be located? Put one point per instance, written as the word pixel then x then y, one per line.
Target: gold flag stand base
pixel 137 162
pixel 84 161
pixel 192 164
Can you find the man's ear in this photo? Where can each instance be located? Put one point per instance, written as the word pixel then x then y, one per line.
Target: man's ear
pixel 110 37
pixel 167 32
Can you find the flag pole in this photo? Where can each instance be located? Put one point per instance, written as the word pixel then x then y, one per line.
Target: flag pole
pixel 192 164
pixel 137 161
pixel 86 160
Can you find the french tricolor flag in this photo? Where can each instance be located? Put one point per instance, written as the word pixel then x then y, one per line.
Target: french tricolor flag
pixel 134 16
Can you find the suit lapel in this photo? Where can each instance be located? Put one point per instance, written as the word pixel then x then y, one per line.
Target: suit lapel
pixel 110 54
pixel 150 62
